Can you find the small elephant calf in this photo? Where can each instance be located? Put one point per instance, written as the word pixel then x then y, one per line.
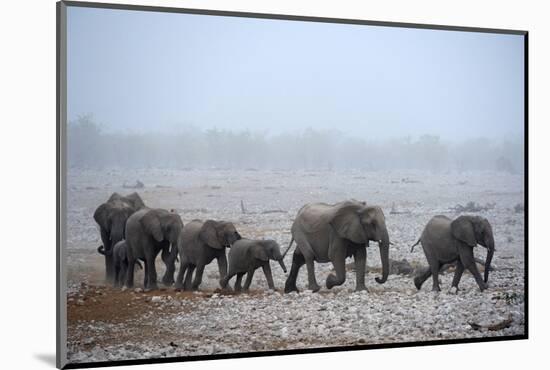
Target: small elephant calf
pixel 120 258
pixel 246 255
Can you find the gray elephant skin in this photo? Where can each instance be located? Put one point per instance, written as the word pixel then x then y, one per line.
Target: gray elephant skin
pixel 200 243
pixel 246 255
pixel 148 232
pixel 111 217
pixel 120 256
pixel 330 233
pixel 445 241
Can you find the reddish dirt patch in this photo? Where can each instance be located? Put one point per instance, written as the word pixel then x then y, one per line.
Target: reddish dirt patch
pixel 100 303
pixel 112 305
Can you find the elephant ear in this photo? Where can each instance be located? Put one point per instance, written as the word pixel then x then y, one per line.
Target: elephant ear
pixel 346 223
pixel 209 234
pixel 463 230
pixel 135 200
pixel 114 197
pixel 101 216
pixel 259 252
pixel 151 223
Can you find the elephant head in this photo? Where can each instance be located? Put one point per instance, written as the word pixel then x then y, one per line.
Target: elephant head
pixel 111 217
pixel 218 234
pixel 164 226
pixel 474 230
pixel 268 249
pixel 361 223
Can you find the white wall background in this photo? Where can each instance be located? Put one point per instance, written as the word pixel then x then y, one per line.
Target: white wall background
pixel 27 172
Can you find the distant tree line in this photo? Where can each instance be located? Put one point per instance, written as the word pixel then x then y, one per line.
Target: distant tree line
pixel 91 147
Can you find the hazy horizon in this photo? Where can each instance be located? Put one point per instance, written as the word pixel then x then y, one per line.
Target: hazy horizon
pixel 159 72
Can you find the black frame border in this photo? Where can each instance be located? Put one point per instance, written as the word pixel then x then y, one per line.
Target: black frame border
pixel 61 104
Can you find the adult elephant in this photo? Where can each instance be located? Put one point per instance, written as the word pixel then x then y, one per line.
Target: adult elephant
pixel 330 233
pixel 200 243
pixel 446 241
pixel 111 217
pixel 148 232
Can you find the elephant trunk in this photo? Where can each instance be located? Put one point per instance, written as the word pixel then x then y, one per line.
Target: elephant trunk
pixel 117 234
pixel 101 249
pixel 169 256
pixel 490 253
pixel 384 244
pixel 174 248
pixel 282 263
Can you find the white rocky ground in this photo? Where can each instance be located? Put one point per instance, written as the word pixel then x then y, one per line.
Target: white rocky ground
pixel 178 324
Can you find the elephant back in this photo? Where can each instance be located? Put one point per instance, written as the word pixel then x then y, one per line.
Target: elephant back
pixel 438 228
pixel 313 217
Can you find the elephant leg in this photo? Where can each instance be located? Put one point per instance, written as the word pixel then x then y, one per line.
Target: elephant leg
pixel 152 274
pixel 179 279
pixel 339 263
pixel 422 277
pixel 268 275
pixel 224 280
pixel 297 262
pixel 145 275
pixel 123 273
pixel 198 277
pixel 467 258
pixel 458 274
pixel 360 258
pixel 238 286
pixel 312 282
pixel 303 245
pixel 130 273
pixel 434 267
pixel 187 283
pixel 249 276
pixel 117 276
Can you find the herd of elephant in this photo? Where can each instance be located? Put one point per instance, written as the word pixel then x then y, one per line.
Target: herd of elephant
pixel 132 233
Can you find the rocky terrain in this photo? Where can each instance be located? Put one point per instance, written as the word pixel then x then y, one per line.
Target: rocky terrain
pixel 109 324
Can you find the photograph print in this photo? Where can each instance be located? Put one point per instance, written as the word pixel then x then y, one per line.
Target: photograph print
pixel 238 184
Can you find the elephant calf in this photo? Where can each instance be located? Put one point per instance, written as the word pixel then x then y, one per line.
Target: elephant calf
pixel 445 241
pixel 246 255
pixel 120 257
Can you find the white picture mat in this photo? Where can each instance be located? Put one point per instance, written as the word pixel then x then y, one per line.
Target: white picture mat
pixel 28 154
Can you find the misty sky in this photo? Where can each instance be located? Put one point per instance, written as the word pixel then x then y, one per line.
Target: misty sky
pixel 146 71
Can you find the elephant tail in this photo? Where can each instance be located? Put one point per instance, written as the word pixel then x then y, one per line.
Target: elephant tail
pixel 139 264
pixel 415 244
pixel 288 248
